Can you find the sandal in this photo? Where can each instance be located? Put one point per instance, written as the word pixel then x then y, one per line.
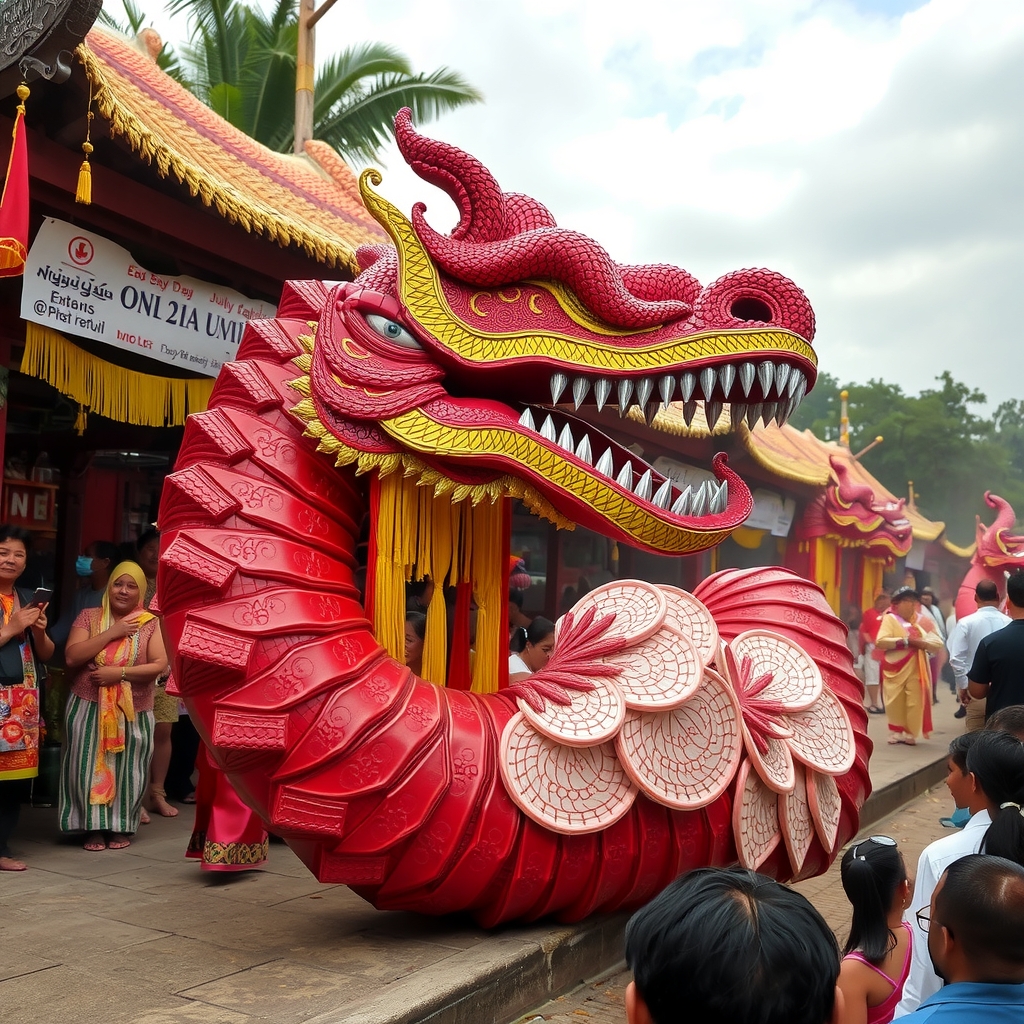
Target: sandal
pixel 95 843
pixel 119 841
pixel 874 709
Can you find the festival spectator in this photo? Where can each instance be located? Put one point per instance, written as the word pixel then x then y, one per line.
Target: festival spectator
pixel 871 659
pixel 731 947
pixel 94 565
pixel 963 644
pixel 930 610
pixel 876 959
pixel 118 653
pixel 975 926
pixel 994 790
pixel 516 618
pixel 24 649
pixel 958 780
pixel 1009 719
pixel 535 645
pixel 906 640
pixel 997 672
pixel 415 633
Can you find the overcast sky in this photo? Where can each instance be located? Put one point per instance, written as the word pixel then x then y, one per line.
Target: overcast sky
pixel 873 150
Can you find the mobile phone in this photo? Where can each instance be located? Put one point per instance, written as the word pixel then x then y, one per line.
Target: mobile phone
pixel 41 596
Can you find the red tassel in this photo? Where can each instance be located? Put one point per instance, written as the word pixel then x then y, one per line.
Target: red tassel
pixel 14 202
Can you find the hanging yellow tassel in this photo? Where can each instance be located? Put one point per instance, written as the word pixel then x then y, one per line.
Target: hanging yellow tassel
pixel 81 420
pixel 83 194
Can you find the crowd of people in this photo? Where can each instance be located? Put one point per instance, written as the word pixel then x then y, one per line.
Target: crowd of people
pixel 118 719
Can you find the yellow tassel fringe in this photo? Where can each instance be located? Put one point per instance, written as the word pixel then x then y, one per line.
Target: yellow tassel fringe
pixel 420 535
pixel 83 194
pixel 112 391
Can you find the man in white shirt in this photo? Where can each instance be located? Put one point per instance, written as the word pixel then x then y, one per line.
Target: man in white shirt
pixel 963 645
pixel 923 981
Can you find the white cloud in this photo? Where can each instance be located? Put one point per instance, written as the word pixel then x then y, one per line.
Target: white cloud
pixel 874 157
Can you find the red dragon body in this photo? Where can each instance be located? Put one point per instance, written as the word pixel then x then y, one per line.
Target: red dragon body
pixel 996 551
pixel 668 731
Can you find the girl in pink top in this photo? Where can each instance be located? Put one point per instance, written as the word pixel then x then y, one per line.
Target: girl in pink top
pixel 878 951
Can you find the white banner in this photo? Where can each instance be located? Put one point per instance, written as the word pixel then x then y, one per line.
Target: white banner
pixel 81 283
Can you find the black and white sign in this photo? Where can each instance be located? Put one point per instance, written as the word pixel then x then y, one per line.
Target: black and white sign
pixel 83 284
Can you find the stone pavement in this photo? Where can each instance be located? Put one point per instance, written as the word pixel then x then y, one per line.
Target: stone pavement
pixel 913 827
pixel 141 936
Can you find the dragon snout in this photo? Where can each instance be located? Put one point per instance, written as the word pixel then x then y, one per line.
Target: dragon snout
pixel 748 297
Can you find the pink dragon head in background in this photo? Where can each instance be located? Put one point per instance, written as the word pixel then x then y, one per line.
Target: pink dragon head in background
pixel 997 551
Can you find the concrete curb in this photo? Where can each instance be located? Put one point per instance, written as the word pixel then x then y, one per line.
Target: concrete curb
pixel 498 981
pixel 511 975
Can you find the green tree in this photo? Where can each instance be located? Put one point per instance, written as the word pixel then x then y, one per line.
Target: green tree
pixel 240 61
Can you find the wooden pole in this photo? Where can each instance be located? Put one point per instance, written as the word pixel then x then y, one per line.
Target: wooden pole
pixel 305 70
pixel 304 76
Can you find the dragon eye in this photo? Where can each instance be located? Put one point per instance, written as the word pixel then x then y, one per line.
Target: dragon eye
pixel 392 331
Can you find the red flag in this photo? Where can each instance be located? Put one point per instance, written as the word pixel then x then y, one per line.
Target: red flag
pixel 14 203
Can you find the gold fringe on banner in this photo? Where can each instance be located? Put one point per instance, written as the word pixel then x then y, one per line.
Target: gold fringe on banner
pixel 421 535
pixel 112 391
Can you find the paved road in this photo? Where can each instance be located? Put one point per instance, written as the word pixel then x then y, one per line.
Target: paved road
pixel 913 827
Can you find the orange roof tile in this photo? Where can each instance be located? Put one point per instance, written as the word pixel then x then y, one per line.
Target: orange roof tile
pixel 310 201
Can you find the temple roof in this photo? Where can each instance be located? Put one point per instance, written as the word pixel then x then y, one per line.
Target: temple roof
pixel 309 201
pixel 799 456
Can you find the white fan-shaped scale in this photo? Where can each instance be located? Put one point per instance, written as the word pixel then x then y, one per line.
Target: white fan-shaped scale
pixel 570 790
pixel 639 609
pixel 684 758
pixel 826 806
pixel 796 679
pixel 795 821
pixel 823 735
pixel 693 619
pixel 659 673
pixel 774 765
pixel 755 818
pixel 592 716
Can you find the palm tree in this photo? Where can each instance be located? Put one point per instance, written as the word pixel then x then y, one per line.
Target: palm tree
pixel 241 61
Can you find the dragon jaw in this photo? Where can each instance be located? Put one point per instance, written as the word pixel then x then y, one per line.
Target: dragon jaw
pixel 464 373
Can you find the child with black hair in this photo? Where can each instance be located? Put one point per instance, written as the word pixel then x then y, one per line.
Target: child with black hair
pixel 877 956
pixel 957 781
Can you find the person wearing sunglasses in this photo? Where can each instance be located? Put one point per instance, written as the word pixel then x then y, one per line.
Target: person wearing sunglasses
pixel 877 955
pixel 975 929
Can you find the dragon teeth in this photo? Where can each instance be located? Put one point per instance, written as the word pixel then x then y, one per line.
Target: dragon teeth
pixel 605 464
pixel 720 499
pixel 625 390
pixel 765 376
pixel 566 440
pixel 713 412
pixel 547 429
pixel 681 507
pixel 689 411
pixel 801 388
pixel 580 387
pixel 643 487
pixel 699 505
pixel 666 387
pixel 753 413
pixel 526 420
pixel 583 451
pixel 747 374
pixel 559 382
pixel 650 411
pixel 663 495
pixel 625 477
pixel 687 382
pixel 602 389
pixel 794 380
pixel 644 387
pixel 726 376
pixel 782 371
pixel 708 379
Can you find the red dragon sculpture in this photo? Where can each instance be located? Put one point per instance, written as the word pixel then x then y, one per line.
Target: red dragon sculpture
pixel 997 551
pixel 668 730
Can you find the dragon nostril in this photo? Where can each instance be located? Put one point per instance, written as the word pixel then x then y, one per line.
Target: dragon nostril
pixel 749 308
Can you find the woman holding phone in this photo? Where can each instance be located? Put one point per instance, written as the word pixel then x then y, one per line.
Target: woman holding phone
pixel 24 648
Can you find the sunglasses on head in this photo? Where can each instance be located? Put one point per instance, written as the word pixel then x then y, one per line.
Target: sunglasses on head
pixel 877 840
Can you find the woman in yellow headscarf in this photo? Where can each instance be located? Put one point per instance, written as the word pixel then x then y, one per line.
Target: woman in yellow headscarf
pixel 118 653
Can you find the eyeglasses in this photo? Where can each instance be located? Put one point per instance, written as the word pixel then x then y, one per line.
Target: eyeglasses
pixel 878 840
pixel 924 918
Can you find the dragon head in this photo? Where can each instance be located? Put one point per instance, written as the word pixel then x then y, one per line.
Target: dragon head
pixel 485 359
pixel 856 513
pixel 997 547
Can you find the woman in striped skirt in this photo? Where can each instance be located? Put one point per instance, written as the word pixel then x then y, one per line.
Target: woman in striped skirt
pixel 117 653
